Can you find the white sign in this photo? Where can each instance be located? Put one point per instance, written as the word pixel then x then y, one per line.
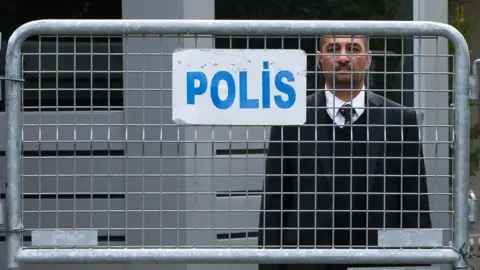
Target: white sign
pixel 239 87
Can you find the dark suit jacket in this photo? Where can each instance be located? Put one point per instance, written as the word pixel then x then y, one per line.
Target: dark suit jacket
pixel 393 149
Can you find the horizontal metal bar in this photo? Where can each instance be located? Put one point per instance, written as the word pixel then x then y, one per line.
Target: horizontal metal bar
pixel 3 78
pixel 239 256
pixel 235 27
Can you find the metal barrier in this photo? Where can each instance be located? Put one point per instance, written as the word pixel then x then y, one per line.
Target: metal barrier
pixel 157 187
pixel 474 80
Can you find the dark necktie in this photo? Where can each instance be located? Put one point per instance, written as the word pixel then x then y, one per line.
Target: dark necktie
pixel 347 111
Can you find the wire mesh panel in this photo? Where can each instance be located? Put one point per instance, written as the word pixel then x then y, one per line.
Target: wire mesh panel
pixel 103 162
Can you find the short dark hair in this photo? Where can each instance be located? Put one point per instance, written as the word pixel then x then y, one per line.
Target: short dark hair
pixel 321 42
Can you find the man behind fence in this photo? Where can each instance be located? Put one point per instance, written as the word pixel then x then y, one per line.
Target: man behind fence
pixel 354 142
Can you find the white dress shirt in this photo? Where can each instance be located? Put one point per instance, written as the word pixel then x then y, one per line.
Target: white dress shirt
pixel 334 104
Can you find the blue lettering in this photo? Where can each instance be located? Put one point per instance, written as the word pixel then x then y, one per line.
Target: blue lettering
pixel 193 91
pixel 228 78
pixel 285 88
pixel 246 103
pixel 265 86
pixel 198 84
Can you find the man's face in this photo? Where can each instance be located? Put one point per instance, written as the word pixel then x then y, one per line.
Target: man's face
pixel 346 56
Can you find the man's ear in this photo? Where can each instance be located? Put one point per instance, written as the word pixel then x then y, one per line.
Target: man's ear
pixel 369 59
pixel 319 60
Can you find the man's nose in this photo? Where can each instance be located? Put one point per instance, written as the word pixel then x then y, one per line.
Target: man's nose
pixel 343 57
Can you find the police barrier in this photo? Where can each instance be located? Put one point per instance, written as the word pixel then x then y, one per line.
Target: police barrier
pixel 64 246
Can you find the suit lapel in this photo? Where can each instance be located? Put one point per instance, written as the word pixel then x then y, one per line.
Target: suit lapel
pixel 376 133
pixel 323 146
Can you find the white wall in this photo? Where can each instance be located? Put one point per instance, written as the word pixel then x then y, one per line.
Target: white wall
pixel 168 212
pixel 427 98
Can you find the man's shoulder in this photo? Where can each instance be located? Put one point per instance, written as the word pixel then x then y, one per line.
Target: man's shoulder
pixel 383 101
pixel 393 106
pixel 388 103
pixel 312 99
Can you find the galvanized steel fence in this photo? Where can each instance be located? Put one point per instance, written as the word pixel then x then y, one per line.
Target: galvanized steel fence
pixel 180 194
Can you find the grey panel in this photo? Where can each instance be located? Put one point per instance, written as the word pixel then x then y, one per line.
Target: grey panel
pixel 47 60
pixel 239 164
pixel 239 243
pixel 107 216
pixel 69 131
pixel 82 174
pixel 75 205
pixel 3 137
pixel 249 165
pixel 224 134
pixel 107 133
pixel 255 144
pixel 237 214
pixel 229 215
pixel 152 134
pixel 238 183
pixel 221 171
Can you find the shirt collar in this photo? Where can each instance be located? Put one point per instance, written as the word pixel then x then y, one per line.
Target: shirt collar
pixel 333 103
